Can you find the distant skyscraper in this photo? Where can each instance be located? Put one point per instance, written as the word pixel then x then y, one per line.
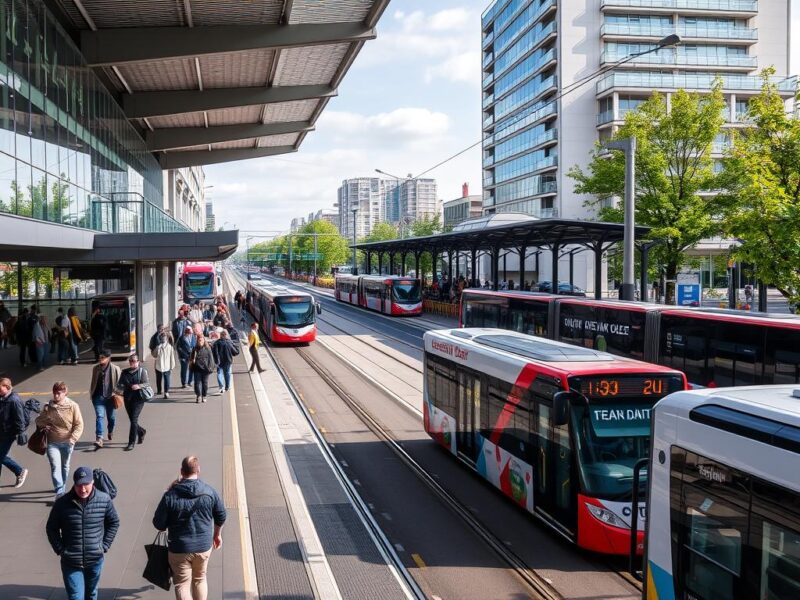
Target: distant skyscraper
pixel 461 209
pixel 211 221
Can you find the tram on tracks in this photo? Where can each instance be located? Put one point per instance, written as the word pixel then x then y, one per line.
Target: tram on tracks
pixel 714 347
pixel 724 496
pixel 557 428
pixel 284 315
pixel 199 282
pixel 388 294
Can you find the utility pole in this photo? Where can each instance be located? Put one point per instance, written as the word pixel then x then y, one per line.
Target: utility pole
pixel 315 258
pixel 628 145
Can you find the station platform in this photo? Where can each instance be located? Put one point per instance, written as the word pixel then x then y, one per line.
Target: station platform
pixel 290 530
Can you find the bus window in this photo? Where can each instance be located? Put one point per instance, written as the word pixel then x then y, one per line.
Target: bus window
pixel 572 318
pixel 736 352
pixel 780 562
pixel 528 317
pixel 684 347
pixel 782 356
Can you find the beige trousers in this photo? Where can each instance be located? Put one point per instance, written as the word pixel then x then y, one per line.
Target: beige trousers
pixel 189 574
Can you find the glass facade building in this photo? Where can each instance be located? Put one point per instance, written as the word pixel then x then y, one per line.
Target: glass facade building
pixel 68 154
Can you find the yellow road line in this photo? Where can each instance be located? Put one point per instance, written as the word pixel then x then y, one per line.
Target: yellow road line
pixel 419 562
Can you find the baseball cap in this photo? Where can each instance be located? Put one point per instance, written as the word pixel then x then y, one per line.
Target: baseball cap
pixel 83 475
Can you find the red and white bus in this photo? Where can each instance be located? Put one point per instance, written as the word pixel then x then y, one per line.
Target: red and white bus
pixel 284 315
pixel 557 428
pixel 714 347
pixel 199 282
pixel 389 294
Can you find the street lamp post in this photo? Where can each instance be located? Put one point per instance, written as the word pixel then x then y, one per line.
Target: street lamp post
pixel 354 210
pixel 628 145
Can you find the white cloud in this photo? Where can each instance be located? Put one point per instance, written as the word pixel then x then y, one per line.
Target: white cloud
pixel 451 19
pixel 464 67
pixel 409 125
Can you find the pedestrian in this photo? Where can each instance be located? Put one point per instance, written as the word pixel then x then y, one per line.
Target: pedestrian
pixel 81 528
pixel 77 333
pixel 252 345
pixel 209 312
pixel 164 355
pixel 224 349
pixel 63 336
pixel 196 314
pixel 22 335
pixel 130 386
pixel 202 364
pixel 186 344
pixel 220 318
pixel 237 298
pixel 155 338
pixel 192 513
pixel 41 340
pixel 232 332
pixel 12 429
pixel 97 329
pixel 62 420
pixel 179 325
pixel 105 378
pixel 5 318
pixel 33 319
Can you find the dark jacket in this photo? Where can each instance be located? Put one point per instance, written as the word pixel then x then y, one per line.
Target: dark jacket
pixel 179 327
pixel 97 373
pixel 130 377
pixel 224 351
pixel 97 326
pixel 12 415
pixel 188 511
pixel 203 360
pixel 219 319
pixel 185 346
pixel 21 331
pixel 81 533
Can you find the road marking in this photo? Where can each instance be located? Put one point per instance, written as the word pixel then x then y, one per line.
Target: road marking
pixel 311 410
pixel 323 430
pixel 399 548
pixel 344 463
pixel 386 516
pixel 419 562
pixel 356 482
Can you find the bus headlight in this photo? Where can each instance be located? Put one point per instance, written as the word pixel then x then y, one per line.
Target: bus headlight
pixel 606 516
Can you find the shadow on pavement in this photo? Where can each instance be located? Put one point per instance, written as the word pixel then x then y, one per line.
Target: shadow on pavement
pixel 45 592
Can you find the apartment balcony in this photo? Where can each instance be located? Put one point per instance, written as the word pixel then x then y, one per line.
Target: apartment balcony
pixel 488 100
pixel 543 11
pixel 540 114
pixel 491 12
pixel 488 161
pixel 546 60
pixel 734 61
pixel 688 81
pixel 487 122
pixel 487 60
pixel 687 32
pixel 488 39
pixel 488 79
pixel 540 141
pixel 720 7
pixel 607 116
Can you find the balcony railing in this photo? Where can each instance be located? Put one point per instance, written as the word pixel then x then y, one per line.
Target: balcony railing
pixel 488 78
pixel 716 5
pixel 539 140
pixel 504 85
pixel 658 30
pixel 488 39
pixel 488 121
pixel 130 213
pixel 689 81
pixel 605 117
pixel 487 60
pixel 539 37
pixel 488 100
pixel 542 10
pixel 550 108
pixel 735 60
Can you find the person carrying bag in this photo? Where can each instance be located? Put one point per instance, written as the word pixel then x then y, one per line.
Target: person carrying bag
pixel 134 386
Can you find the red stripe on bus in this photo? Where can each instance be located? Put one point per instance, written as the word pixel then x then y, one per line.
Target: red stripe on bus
pixel 523 382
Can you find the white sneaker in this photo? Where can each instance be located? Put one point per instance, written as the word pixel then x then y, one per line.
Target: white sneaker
pixel 220 392
pixel 204 398
pixel 166 395
pixel 21 479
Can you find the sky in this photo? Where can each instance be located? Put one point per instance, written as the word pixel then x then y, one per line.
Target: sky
pixel 410 100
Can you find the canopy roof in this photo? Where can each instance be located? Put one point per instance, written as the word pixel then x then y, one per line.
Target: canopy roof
pixel 211 82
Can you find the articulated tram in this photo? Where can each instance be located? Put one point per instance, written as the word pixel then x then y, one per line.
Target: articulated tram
pixel 284 315
pixel 388 294
pixel 557 428
pixel 724 500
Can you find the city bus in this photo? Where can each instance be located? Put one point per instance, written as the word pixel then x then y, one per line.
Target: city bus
pixel 199 282
pixel 284 315
pixel 119 309
pixel 557 428
pixel 724 496
pixel 714 347
pixel 388 294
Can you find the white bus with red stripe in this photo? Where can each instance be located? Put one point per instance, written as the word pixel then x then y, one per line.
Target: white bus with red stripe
pixel 388 294
pixel 284 315
pixel 555 427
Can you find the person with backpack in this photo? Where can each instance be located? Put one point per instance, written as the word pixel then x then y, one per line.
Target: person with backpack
pixel 131 386
pixel 105 377
pixel 76 334
pixel 62 420
pixel 81 527
pixel 224 350
pixel 97 329
pixel 13 425
pixel 202 364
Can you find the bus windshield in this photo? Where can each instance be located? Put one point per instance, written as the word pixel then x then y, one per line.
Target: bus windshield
pixel 611 438
pixel 294 312
pixel 200 285
pixel 405 291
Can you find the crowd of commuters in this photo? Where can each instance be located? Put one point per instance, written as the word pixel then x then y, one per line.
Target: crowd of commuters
pixel 202 340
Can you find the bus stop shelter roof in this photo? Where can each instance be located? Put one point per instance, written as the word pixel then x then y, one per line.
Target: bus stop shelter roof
pixel 530 233
pixel 208 82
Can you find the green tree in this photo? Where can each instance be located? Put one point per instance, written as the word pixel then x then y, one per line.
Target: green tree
pixel 332 247
pixel 761 179
pixel 421 227
pixel 382 232
pixel 673 167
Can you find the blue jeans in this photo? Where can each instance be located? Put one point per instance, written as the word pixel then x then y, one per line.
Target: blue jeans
pixel 224 377
pixel 63 345
pixel 6 443
pixel 41 354
pixel 103 408
pixel 81 584
pixel 166 376
pixel 59 453
pixel 187 376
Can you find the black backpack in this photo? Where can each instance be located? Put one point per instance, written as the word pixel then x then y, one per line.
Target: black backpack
pixel 103 482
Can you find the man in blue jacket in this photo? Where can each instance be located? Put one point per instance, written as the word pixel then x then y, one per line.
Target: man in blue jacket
pixel 193 514
pixel 12 428
pixel 81 528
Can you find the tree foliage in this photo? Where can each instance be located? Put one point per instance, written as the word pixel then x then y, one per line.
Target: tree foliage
pixel 332 247
pixel 673 167
pixel 761 179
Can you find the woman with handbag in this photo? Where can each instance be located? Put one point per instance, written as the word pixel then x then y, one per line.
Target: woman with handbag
pixel 105 377
pixel 62 422
pixel 134 385
pixel 202 364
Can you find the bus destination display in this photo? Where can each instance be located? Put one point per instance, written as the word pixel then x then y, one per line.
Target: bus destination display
pixel 627 387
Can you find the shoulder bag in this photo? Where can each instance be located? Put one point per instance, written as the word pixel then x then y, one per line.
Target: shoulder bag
pixel 145 391
pixel 38 442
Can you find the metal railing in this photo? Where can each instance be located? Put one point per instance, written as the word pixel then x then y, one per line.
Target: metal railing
pixel 689 81
pixel 127 212
pixel 717 5
pixel 660 30
pixel 605 117
pixel 671 58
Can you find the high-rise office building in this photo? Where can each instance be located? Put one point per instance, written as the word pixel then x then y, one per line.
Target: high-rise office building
pixel 535 50
pixel 211 220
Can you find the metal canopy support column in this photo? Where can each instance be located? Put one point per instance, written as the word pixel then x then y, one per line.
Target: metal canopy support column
pixel 554 278
pixel 403 263
pixel 598 270
pixel 391 263
pixel 523 250
pixel 762 296
pixel 416 266
pixel 496 268
pixel 474 259
pixel 450 266
pixel 458 265
pixel 172 291
pixel 645 265
pixel 380 263
pixel 369 262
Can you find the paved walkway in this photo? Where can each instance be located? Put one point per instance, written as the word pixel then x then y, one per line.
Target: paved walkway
pixel 175 428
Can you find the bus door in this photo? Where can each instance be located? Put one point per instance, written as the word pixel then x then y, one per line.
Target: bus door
pixel 469 398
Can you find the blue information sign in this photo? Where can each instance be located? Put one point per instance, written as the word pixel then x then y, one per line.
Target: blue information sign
pixel 688 294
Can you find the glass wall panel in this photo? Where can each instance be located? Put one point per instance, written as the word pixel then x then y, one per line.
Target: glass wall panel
pixel 8 170
pixel 22 189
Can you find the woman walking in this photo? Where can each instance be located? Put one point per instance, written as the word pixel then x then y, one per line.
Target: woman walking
pixel 186 344
pixel 61 419
pixel 164 356
pixel 203 364
pixel 130 385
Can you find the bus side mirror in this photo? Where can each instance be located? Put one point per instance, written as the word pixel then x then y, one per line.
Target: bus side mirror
pixel 319 308
pixel 561 405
